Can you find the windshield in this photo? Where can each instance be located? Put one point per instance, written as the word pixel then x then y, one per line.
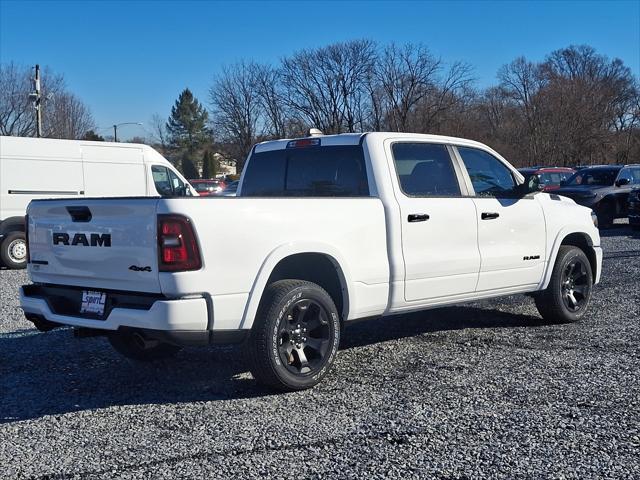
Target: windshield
pixel 600 176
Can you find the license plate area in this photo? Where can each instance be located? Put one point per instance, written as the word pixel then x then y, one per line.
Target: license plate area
pixel 93 303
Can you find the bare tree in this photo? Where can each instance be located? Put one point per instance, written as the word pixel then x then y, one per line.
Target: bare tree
pixel 236 108
pixel 328 87
pixel 17 115
pixel 405 75
pixel 64 114
pixel 270 95
pixel 159 132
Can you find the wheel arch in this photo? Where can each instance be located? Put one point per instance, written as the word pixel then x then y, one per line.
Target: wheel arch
pixel 581 239
pixel 317 263
pixel 12 224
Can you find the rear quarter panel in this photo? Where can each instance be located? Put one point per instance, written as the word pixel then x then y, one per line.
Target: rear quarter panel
pixel 242 239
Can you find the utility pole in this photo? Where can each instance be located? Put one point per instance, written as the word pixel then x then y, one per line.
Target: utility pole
pixel 36 98
pixel 115 133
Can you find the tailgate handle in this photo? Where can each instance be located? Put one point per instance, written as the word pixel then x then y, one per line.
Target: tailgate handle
pixel 79 214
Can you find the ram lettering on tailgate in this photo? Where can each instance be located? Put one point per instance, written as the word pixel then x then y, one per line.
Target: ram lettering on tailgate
pixel 94 240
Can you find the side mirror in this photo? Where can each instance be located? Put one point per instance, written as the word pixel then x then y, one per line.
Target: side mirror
pixel 622 182
pixel 532 185
pixel 563 183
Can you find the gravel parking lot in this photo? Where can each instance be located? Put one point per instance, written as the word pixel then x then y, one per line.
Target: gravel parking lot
pixel 482 390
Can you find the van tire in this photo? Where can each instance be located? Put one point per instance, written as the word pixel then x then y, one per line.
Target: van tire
pixel 295 336
pixel 127 344
pixel 554 303
pixel 13 250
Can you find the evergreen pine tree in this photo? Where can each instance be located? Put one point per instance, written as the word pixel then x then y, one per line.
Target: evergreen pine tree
pixel 187 125
pixel 188 168
pixel 207 164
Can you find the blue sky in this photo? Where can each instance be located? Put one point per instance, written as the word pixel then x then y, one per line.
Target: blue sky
pixel 129 60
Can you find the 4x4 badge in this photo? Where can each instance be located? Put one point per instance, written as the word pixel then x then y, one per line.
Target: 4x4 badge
pixel 139 269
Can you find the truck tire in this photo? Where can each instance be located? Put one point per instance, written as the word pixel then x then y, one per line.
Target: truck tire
pixel 605 211
pixel 295 336
pixel 567 297
pixel 133 346
pixel 13 250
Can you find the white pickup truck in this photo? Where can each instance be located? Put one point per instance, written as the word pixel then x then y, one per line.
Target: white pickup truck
pixel 325 230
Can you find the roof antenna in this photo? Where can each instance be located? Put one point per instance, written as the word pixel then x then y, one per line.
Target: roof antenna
pixel 314 132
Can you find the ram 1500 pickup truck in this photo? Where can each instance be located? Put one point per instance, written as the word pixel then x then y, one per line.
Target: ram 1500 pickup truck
pixel 324 230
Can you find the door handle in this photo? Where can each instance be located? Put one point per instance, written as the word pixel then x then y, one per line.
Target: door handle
pixel 417 217
pixel 489 215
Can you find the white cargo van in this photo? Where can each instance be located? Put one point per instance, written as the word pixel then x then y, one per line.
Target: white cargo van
pixel 36 168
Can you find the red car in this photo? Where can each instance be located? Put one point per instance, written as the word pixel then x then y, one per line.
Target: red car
pixel 550 177
pixel 207 188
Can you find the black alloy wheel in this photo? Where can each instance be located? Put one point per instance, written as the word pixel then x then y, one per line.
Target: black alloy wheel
pixel 575 285
pixel 304 337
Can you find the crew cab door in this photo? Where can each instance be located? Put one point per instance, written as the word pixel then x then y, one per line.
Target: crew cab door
pixel 511 229
pixel 439 228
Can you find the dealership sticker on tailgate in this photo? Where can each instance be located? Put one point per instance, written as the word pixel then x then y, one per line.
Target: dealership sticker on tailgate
pixel 93 302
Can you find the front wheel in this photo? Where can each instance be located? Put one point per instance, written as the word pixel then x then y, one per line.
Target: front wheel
pixel 567 297
pixel 13 250
pixel 295 336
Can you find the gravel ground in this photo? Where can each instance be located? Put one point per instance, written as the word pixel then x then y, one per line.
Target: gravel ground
pixel 482 390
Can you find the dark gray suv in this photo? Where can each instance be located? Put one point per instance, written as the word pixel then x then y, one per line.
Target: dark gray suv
pixel 603 188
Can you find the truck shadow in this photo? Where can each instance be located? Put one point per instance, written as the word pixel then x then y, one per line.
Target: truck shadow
pixel 54 373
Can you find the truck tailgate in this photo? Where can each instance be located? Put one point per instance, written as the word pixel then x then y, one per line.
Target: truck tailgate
pixel 102 243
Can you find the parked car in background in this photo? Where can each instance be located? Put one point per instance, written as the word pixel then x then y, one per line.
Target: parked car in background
pixel 230 190
pixel 35 168
pixel 325 230
pixel 206 188
pixel 604 188
pixel 549 177
pixel 633 208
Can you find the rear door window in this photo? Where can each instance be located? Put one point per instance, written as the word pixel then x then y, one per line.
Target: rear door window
pixel 316 171
pixel 425 169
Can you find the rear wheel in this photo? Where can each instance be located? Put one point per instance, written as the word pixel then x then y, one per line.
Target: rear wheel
pixel 567 297
pixel 134 346
pixel 295 336
pixel 13 250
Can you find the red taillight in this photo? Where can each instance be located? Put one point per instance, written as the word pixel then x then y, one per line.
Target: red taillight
pixel 177 247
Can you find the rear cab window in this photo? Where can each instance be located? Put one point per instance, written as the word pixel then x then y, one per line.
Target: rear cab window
pixel 310 171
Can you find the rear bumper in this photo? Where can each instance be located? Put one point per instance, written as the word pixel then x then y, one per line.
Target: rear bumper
pixel 634 219
pixel 183 321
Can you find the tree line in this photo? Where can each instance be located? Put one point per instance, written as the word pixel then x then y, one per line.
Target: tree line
pixel 576 106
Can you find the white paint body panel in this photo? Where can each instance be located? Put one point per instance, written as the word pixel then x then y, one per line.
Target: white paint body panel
pixel 385 266
pixel 518 233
